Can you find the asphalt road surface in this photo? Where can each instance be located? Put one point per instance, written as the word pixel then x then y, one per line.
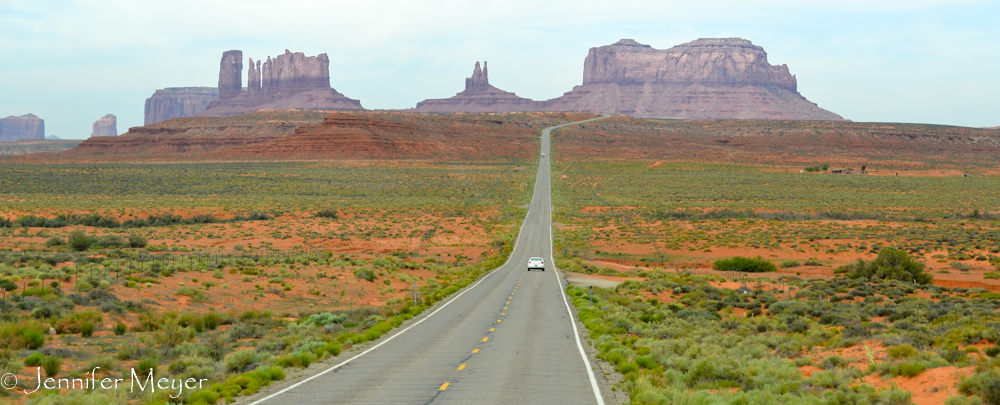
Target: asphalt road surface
pixel 507 339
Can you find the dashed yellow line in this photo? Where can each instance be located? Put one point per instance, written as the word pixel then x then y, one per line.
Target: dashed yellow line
pixel 498 320
pixel 493 329
pixel 475 351
pixel 503 313
pixel 461 367
pixel 486 338
pixel 444 386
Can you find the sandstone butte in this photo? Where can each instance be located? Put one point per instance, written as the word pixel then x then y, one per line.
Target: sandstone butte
pixel 176 102
pixel 289 81
pixel 106 126
pixel 27 126
pixel 478 96
pixel 709 78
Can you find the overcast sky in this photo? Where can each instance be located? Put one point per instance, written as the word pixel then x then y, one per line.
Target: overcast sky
pixel 71 62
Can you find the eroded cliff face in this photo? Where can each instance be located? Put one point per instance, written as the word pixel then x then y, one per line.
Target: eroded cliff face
pixel 713 78
pixel 27 126
pixel 478 96
pixel 288 81
pixel 106 126
pixel 178 102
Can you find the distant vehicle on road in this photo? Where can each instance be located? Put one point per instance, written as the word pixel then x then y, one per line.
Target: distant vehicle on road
pixel 536 263
pixel 543 156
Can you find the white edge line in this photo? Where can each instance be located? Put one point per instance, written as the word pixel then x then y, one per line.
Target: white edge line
pixel 516 241
pixel 572 319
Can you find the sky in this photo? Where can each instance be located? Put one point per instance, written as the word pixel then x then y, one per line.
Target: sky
pixel 72 62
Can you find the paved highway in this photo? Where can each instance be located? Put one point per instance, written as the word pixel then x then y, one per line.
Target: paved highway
pixel 507 339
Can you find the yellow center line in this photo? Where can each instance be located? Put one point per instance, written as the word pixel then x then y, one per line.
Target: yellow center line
pixel 493 329
pixel 486 338
pixel 498 320
pixel 504 307
pixel 443 387
pixel 461 367
pixel 475 351
pixel 503 313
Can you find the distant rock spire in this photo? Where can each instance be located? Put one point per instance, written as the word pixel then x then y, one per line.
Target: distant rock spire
pixel 480 78
pixel 230 74
pixel 253 78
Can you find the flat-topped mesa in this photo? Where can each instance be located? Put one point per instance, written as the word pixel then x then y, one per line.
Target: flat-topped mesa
pixel 27 126
pixel 480 79
pixel 478 96
pixel 230 72
pixel 709 78
pixel 288 81
pixel 106 126
pixel 706 61
pixel 295 72
pixel 178 102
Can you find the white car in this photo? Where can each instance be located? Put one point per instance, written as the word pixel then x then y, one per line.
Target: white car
pixel 536 263
pixel 543 156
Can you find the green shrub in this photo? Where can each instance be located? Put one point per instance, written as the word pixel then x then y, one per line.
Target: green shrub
pixel 891 264
pixel 86 329
pixel 55 241
pixel 300 360
pixel 365 274
pixel 911 369
pixel 51 365
pixel 34 360
pixel 211 321
pixel 327 213
pixel 137 241
pixel 243 360
pixel 120 328
pixel 992 351
pixel 146 364
pixel 33 339
pixel 79 241
pixel 985 384
pixel 902 352
pixel 790 263
pixel 628 367
pixel 333 348
pixel 84 287
pixel 745 264
pixel 646 362
pixel 833 362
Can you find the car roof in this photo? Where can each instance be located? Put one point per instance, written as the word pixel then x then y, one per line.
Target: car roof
pixel 535 258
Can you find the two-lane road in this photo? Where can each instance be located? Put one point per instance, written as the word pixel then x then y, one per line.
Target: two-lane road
pixel 507 339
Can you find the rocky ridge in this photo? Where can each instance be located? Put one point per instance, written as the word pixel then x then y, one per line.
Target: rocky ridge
pixel 105 126
pixel 709 78
pixel 27 126
pixel 288 81
pixel 175 102
pixel 478 96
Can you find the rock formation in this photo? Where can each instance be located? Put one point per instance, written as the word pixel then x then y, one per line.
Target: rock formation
pixel 289 81
pixel 478 96
pixel 27 126
pixel 106 126
pixel 177 102
pixel 714 78
pixel 230 71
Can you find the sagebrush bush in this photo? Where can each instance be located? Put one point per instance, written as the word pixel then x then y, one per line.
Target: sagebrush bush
pixel 745 264
pixel 891 264
pixel 34 360
pixel 52 365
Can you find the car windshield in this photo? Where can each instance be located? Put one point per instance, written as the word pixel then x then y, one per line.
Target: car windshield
pixel 536 259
